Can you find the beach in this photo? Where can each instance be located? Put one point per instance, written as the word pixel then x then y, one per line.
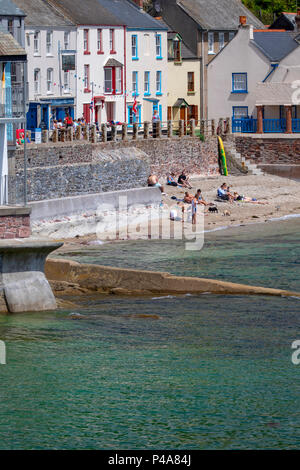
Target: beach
pixel 280 195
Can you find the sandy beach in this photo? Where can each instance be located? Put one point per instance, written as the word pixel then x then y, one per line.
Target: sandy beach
pixel 281 195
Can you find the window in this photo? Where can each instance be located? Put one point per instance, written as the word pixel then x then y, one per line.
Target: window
pixel 66 40
pixel 231 36
pixel 118 71
pixel 239 83
pixel 108 80
pixel 158 46
pixel 86 78
pixel 36 42
pixel 147 83
pixel 211 43
pixel 240 112
pixel 177 51
pixel 134 47
pixel 112 41
pixel 221 40
pixel 99 41
pixel 10 26
pixel 49 80
pixel 36 81
pixel 135 89
pixel 158 83
pixel 191 81
pixel 86 41
pixel 49 42
pixel 66 82
pixel 113 82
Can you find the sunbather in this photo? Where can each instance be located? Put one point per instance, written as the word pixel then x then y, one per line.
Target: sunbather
pixel 184 180
pixel 153 181
pixel 224 194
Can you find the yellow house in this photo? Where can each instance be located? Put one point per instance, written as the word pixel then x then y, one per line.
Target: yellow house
pixel 183 80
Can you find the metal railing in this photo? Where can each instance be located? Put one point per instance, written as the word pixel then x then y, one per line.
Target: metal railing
pixel 12 102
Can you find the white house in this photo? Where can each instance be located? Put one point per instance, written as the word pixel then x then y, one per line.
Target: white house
pixel 100 60
pixel 242 80
pixel 146 59
pixel 49 38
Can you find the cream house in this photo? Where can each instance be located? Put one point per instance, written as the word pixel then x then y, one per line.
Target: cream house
pixel 183 80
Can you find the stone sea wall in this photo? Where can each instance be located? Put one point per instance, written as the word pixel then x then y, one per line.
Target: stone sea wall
pixel 77 168
pixel 269 150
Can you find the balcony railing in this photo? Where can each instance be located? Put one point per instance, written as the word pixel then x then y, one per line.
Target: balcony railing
pixel 12 102
pixel 270 126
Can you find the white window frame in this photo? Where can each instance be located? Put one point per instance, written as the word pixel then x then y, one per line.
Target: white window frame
pixel 49 42
pixel 108 91
pixel 112 40
pixel 37 81
pixel 158 45
pixel 99 40
pixel 86 77
pixel 147 83
pixel 211 42
pixel 221 41
pixel 118 78
pixel 66 40
pixel 134 45
pixel 158 81
pixel 86 40
pixel 135 83
pixel 66 81
pixel 49 81
pixel 36 42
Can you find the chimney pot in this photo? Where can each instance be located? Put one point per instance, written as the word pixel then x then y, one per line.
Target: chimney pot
pixel 140 3
pixel 243 20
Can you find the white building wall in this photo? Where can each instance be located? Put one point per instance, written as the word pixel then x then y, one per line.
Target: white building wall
pixel 147 62
pixel 239 56
pixel 96 62
pixel 43 61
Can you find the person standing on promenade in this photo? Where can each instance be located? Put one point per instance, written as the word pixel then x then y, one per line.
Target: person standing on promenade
pixel 155 121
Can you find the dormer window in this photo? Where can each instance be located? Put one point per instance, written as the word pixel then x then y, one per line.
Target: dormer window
pixel 177 50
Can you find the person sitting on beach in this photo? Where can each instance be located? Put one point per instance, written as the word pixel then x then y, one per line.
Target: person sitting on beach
pixel 183 180
pixel 188 198
pixel 153 181
pixel 224 194
pixel 201 199
pixel 171 180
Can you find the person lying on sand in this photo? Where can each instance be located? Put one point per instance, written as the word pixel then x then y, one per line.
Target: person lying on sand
pixel 153 181
pixel 184 180
pixel 224 194
pixel 237 197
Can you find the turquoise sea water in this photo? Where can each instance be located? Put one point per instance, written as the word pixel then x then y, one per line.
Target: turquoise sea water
pixel 191 372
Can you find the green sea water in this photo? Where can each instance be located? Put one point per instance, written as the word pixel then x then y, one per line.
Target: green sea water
pixel 191 372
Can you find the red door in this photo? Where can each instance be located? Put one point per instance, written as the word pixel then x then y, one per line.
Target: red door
pixel 87 113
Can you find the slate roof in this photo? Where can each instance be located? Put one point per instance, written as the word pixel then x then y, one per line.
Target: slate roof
pixel 275 44
pixel 274 93
pixel 9 47
pixel 40 13
pixel 285 21
pixel 219 15
pixel 131 15
pixel 113 63
pixel 186 52
pixel 8 8
pixel 86 12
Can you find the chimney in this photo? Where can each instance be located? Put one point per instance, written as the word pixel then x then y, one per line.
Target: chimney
pixel 140 3
pixel 297 19
pixel 243 20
